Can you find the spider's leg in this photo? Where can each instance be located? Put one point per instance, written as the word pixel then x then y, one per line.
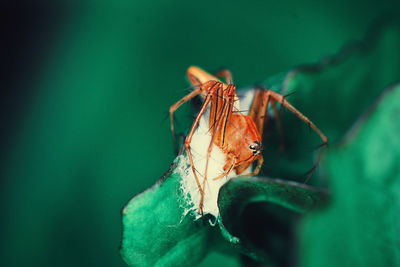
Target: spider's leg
pixel 174 107
pixel 232 161
pixel 226 74
pixel 211 89
pixel 258 110
pixel 281 99
pixel 260 161
pixel 219 116
pixel 279 125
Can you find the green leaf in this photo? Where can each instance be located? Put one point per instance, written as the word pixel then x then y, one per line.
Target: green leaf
pixel 256 210
pixel 156 231
pixel 360 227
pixel 294 196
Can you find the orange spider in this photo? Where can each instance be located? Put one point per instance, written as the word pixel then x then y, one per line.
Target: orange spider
pixel 239 136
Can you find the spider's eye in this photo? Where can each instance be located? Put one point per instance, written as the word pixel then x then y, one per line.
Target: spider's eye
pixel 255 147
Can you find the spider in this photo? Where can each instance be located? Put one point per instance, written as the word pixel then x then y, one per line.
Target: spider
pixel 239 136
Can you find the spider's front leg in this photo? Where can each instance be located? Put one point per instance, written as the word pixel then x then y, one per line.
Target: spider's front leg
pixel 260 162
pixel 212 89
pixel 206 87
pixel 259 109
pixel 220 114
pixel 229 166
pixel 282 100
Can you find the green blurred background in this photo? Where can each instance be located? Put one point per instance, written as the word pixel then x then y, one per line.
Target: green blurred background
pixel 87 86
